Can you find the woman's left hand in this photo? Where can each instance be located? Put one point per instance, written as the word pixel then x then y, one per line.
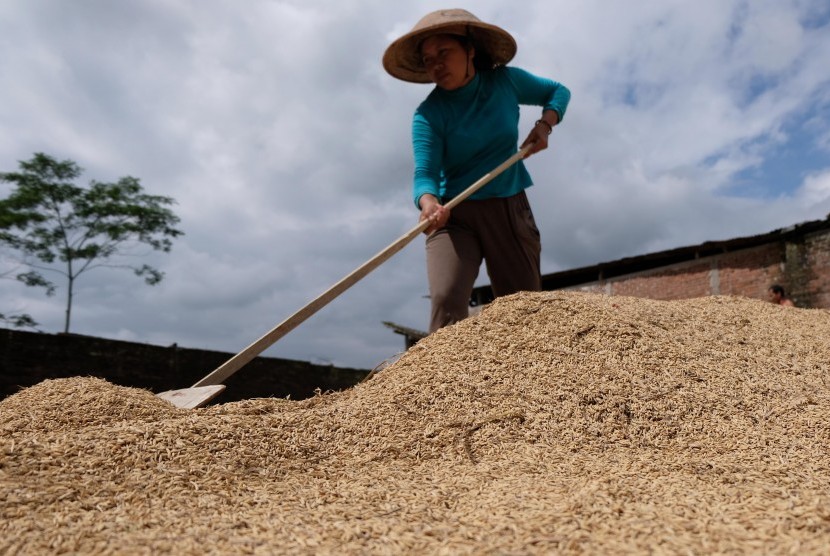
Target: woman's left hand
pixel 538 136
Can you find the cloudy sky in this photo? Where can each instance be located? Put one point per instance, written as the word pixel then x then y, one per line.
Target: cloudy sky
pixel 286 147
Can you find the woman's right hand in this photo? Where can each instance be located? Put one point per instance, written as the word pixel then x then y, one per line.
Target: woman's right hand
pixel 434 211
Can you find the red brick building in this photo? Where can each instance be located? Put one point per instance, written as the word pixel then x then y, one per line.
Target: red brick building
pixel 798 258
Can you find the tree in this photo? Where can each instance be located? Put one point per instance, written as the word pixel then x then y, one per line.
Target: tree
pixel 18 321
pixel 59 227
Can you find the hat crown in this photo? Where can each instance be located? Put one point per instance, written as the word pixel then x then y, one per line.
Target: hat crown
pixel 441 17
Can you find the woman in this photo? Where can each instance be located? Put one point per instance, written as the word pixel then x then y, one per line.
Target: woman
pixel 465 128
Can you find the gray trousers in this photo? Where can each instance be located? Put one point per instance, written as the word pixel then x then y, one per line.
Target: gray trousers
pixel 500 231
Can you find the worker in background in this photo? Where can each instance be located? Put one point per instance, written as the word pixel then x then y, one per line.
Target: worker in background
pixel 777 296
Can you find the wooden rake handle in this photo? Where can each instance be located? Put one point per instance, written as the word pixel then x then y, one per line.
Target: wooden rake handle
pixel 239 360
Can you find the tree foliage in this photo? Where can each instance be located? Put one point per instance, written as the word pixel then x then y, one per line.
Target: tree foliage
pixel 61 228
pixel 22 320
pixel 19 321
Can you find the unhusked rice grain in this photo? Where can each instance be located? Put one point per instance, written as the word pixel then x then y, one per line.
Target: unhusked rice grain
pixel 551 423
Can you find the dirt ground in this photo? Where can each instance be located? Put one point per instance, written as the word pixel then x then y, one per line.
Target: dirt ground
pixel 551 423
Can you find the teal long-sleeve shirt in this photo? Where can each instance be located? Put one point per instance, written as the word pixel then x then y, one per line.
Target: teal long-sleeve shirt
pixel 458 136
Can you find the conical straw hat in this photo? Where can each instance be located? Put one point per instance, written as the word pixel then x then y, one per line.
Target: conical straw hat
pixel 402 58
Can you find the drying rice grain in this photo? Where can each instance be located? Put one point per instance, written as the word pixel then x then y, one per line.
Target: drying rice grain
pixel 555 422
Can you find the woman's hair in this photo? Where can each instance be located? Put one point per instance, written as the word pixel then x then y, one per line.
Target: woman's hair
pixel 482 59
pixel 776 288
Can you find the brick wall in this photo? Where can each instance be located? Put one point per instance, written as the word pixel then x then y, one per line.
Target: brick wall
pixel 815 289
pixel 801 266
pixel 27 358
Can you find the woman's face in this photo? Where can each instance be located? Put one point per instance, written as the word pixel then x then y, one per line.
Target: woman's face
pixel 447 63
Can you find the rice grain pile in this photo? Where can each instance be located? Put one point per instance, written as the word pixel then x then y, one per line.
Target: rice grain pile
pixel 551 423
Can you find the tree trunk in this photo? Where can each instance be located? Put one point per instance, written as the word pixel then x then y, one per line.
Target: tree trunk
pixel 69 286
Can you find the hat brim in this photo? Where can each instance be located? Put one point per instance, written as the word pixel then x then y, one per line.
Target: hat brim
pixel 402 59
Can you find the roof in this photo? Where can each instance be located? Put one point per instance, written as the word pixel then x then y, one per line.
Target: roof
pixel 409 332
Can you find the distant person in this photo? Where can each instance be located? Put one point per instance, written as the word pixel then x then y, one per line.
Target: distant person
pixel 779 297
